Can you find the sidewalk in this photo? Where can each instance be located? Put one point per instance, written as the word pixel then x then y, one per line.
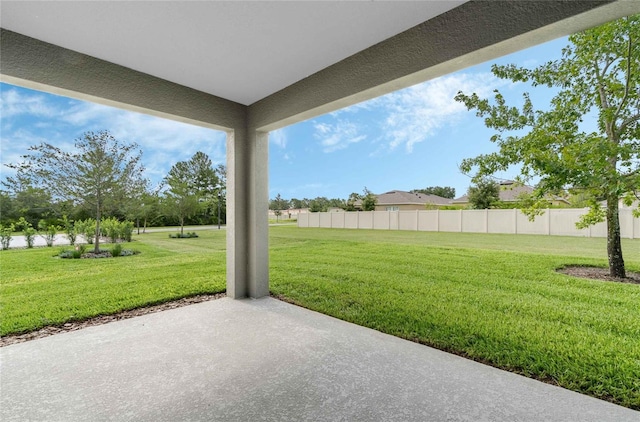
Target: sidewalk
pixel 62 240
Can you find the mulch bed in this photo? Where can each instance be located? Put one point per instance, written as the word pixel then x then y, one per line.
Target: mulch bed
pixel 104 319
pixel 596 273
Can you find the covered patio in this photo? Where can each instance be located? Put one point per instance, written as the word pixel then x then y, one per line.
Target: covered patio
pixel 248 69
pixel 265 360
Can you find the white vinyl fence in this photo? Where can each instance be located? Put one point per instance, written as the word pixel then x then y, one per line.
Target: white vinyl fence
pixel 554 222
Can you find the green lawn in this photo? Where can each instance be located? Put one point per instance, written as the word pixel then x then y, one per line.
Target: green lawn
pixel 493 298
pixel 37 289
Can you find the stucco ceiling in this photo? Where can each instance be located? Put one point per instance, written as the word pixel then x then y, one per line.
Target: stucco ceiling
pixel 241 51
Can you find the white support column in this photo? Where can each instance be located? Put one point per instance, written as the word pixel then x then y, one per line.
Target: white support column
pixel 258 205
pixel 247 214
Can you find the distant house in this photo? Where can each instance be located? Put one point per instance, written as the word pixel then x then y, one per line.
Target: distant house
pixel 621 204
pixel 510 192
pixel 290 214
pixel 397 200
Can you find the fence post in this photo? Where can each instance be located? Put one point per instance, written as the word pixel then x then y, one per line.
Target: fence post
pixel 515 221
pixel 461 211
pixel 438 220
pixel 548 222
pixel 418 220
pixel 389 220
pixel 486 220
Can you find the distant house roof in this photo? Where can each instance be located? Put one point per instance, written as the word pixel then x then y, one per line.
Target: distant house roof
pixel 398 197
pixel 510 191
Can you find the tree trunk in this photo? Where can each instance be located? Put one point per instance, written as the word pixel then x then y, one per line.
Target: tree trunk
pixel 614 247
pixel 181 226
pixel 96 246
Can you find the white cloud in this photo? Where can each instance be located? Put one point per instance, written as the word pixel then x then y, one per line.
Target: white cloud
pixel 416 113
pixel 14 103
pixel 164 142
pixel 60 121
pixel 278 138
pixel 83 114
pixel 355 108
pixel 334 137
pixel 409 116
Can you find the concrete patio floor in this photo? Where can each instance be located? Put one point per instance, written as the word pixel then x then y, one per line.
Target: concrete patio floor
pixel 265 360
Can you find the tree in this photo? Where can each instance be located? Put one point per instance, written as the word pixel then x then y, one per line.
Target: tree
pixel 350 204
pixel 369 200
pixel 181 198
pixel 221 194
pixel 25 200
pixel 205 177
pixel 299 203
pixel 7 208
pixel 193 186
pixel 319 204
pixel 146 207
pixel 100 173
pixel 597 79
pixel 484 194
pixel 277 205
pixel 443 191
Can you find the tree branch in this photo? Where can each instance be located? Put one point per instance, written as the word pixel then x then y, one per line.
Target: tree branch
pixel 627 83
pixel 628 121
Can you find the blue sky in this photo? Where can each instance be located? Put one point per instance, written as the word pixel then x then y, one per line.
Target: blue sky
pixel 409 139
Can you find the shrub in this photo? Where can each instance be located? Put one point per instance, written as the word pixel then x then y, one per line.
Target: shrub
pixel 28 231
pixel 69 229
pixel 74 254
pixel 116 230
pixel 49 230
pixel 111 228
pixel 5 235
pixel 116 250
pixel 29 235
pixel 129 252
pixel 79 252
pixel 183 235
pixel 86 228
pixel 126 230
